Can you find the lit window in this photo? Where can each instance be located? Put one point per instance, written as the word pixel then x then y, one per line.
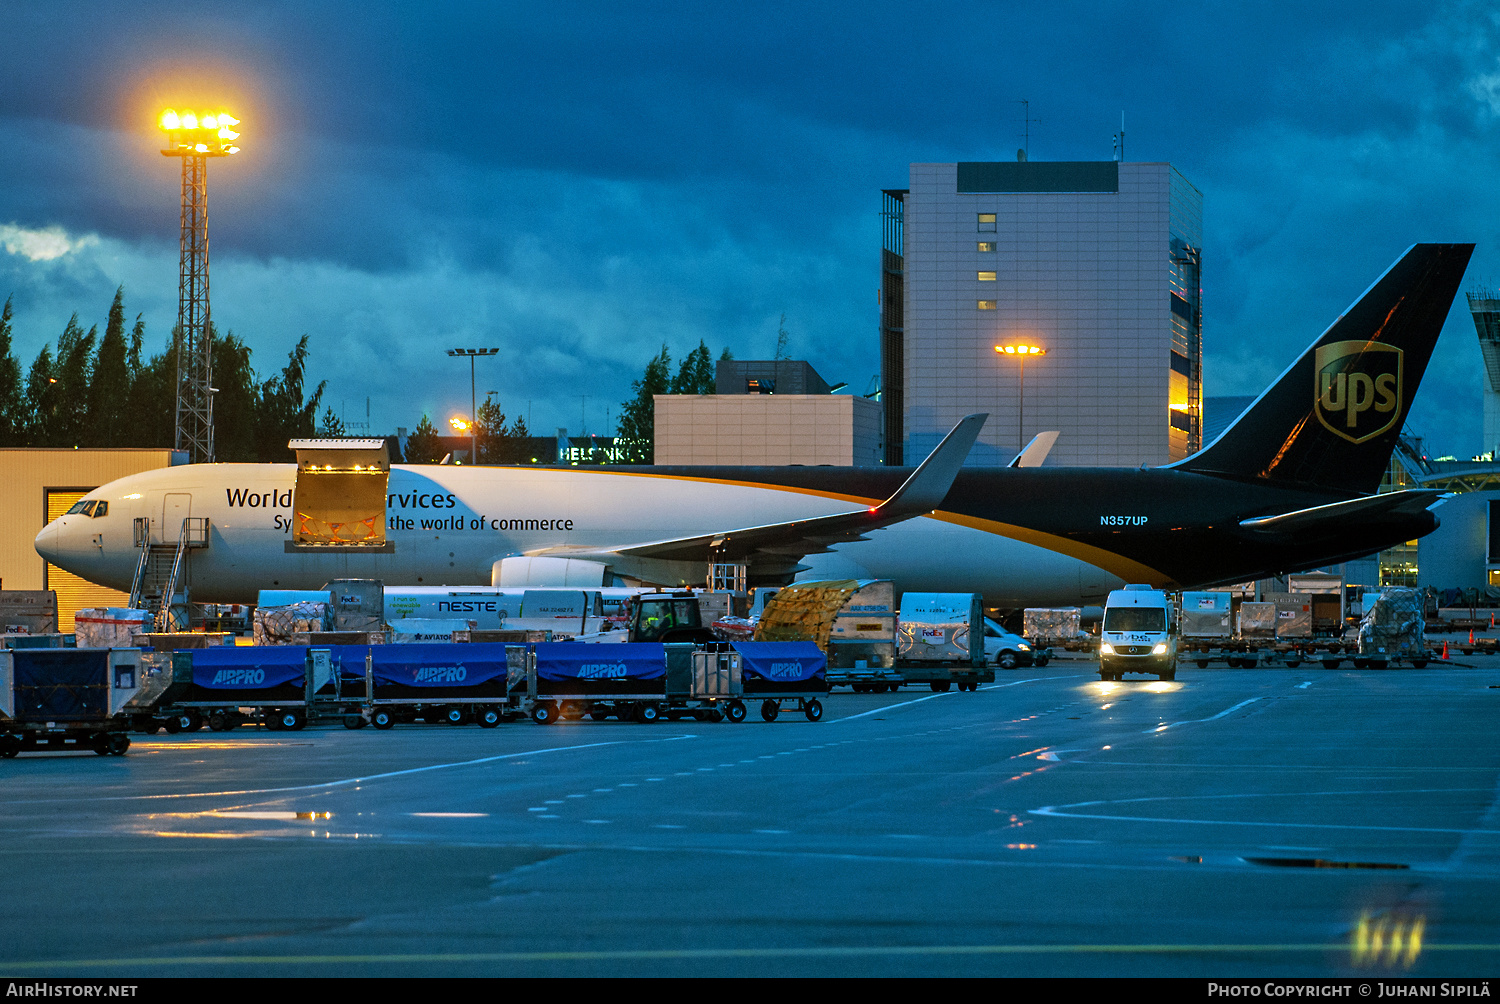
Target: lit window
pixel 987 222
pixel 986 246
pixel 986 277
pixel 987 304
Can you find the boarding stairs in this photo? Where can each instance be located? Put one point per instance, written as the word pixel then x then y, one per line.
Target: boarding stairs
pixel 161 571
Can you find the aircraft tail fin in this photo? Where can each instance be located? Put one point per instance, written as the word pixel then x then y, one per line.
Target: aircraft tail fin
pixel 1333 417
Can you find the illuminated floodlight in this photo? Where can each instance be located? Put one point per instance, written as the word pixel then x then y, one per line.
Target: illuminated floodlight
pixel 459 424
pixel 1022 352
pixel 190 134
pixel 473 427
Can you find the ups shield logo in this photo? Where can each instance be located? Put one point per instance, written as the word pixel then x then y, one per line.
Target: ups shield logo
pixel 1357 388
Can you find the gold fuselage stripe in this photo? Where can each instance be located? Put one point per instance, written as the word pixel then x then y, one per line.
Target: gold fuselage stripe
pixel 1116 564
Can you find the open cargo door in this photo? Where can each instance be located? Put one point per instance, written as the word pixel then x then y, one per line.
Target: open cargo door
pixel 340 497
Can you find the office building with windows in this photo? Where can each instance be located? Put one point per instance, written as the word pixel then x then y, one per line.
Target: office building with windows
pixel 1093 267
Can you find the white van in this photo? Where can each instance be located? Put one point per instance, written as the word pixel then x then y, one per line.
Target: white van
pixel 1138 634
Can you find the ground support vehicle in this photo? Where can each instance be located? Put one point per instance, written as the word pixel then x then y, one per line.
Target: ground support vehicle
pixel 784 673
pixel 59 698
pixel 667 618
pixel 1012 651
pixel 437 682
pixel 1138 634
pixel 641 681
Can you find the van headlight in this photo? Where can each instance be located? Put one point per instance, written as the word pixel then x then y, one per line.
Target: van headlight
pixel 1105 648
pixel 1160 649
pixel 1024 647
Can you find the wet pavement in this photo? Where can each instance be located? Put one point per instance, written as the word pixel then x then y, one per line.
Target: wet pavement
pixel 1269 822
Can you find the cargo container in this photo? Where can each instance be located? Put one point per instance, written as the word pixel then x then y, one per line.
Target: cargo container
pixel 1392 629
pixel 58 698
pixel 941 640
pixel 28 611
pixel 1206 618
pixel 1049 626
pixel 357 605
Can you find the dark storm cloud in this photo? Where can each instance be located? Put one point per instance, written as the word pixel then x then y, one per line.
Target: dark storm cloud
pixel 583 182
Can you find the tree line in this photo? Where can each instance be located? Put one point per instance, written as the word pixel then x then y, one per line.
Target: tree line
pixel 97 390
pixel 637 422
pixel 496 442
pixel 102 390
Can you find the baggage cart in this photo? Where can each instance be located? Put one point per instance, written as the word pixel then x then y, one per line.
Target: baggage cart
pixel 224 686
pixel 784 673
pixel 635 681
pixel 67 698
pixel 438 682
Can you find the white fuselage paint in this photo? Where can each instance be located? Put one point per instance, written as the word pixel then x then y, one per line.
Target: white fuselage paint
pixel 452 537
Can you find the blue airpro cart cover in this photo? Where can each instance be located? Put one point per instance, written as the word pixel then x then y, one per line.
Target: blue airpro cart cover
pixel 560 661
pixel 61 685
pixel 259 667
pixel 782 661
pixel 444 665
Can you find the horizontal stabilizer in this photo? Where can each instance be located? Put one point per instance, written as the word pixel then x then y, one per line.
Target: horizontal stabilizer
pixel 1335 514
pixel 1036 451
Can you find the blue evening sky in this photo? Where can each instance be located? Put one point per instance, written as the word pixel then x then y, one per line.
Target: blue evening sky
pixel 578 183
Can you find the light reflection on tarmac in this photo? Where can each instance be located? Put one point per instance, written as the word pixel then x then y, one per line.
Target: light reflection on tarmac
pixel 1268 822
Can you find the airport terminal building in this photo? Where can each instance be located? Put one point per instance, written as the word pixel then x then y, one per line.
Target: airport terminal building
pixel 1096 263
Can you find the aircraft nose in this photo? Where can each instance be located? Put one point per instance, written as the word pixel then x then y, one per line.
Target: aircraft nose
pixel 49 542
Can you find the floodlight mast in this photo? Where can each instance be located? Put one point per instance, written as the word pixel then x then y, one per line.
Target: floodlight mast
pixel 195 139
pixel 473 398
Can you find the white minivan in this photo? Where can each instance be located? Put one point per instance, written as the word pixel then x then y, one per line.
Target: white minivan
pixel 1138 634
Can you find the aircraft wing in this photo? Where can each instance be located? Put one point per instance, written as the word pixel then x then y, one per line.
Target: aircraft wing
pixel 1331 515
pixel 921 493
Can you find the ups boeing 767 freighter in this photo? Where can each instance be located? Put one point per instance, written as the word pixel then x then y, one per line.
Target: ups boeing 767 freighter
pixel 1290 485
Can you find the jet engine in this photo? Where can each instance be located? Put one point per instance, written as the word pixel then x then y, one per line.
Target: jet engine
pixel 524 571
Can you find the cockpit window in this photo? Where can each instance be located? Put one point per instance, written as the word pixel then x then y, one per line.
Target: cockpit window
pixel 101 508
pixel 83 507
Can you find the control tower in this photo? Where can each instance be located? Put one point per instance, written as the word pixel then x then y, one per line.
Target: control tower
pixel 1484 304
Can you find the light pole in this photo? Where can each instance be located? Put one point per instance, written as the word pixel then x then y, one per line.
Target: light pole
pixel 1021 353
pixel 195 138
pixel 473 398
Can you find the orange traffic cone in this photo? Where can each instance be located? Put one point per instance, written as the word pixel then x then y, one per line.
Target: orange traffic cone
pixel 1445 648
pixel 1471 636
